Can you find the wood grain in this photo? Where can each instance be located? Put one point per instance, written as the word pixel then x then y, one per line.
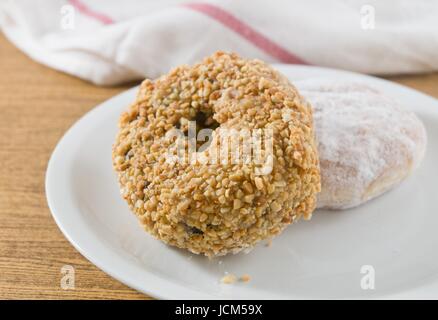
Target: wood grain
pixel 37 105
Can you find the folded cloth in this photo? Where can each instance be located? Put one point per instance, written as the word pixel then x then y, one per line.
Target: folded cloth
pixel 112 41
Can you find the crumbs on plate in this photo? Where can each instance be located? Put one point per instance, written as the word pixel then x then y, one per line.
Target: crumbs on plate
pixel 230 278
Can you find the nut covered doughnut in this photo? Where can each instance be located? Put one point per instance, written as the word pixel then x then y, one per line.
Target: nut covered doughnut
pixel 217 207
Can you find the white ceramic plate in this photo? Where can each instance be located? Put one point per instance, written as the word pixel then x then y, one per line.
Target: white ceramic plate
pixel 396 234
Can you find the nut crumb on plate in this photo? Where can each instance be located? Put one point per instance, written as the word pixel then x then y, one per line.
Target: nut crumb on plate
pixel 229 278
pixel 245 278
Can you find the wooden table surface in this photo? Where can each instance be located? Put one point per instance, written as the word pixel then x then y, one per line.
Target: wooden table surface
pixel 37 105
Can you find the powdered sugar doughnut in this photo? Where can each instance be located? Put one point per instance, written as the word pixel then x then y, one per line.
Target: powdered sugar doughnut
pixel 367 144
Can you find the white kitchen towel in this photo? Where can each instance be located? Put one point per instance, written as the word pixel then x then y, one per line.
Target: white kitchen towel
pixel 112 41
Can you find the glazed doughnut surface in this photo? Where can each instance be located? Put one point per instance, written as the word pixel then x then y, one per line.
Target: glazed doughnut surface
pixel 367 144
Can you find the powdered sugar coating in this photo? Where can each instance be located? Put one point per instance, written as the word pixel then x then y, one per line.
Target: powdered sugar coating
pixel 367 144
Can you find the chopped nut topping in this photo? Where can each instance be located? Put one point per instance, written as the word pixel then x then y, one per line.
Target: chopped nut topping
pixel 217 208
pixel 259 183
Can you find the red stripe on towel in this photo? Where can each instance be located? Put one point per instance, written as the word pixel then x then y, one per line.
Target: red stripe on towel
pixel 84 9
pixel 246 31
